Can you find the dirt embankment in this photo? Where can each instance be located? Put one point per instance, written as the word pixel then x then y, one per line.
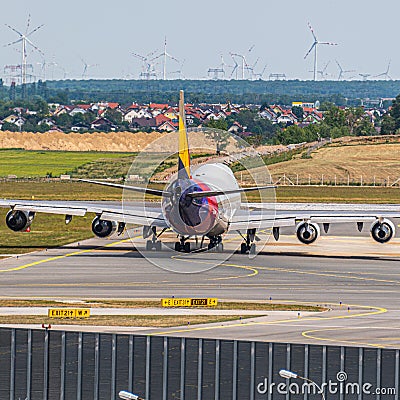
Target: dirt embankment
pixel 113 141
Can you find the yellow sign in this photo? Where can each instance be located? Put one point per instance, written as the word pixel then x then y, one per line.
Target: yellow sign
pixel 69 313
pixel 189 302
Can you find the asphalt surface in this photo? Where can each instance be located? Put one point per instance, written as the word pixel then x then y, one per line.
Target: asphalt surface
pixel 355 271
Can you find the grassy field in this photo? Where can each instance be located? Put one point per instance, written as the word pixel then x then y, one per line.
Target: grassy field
pixel 41 163
pixel 142 320
pixel 332 194
pixel 47 231
pixel 351 162
pixel 373 161
pixel 104 303
pixel 157 321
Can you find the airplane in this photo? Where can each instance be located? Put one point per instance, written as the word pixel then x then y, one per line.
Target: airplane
pixel 203 202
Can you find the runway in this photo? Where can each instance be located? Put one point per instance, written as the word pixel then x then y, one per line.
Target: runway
pixel 366 283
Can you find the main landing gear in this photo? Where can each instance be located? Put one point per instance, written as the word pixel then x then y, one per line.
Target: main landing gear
pixel 182 246
pixel 154 244
pixel 216 244
pixel 248 247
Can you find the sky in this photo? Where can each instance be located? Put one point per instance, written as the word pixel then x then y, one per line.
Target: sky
pixel 105 34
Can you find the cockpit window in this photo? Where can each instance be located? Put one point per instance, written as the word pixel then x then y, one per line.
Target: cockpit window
pixel 200 200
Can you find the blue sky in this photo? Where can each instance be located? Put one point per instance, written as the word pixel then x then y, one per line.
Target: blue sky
pixel 106 33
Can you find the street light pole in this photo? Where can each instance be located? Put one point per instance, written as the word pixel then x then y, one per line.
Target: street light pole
pixel 128 396
pixel 289 375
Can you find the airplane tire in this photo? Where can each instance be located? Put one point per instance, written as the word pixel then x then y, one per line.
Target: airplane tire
pixel 158 246
pixel 187 247
pixel 252 249
pixel 220 247
pixel 178 246
pixel 243 248
pixel 149 245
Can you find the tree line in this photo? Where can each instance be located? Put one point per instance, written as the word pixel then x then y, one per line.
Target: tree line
pixel 340 93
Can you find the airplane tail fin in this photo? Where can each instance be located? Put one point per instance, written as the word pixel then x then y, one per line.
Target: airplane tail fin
pixel 184 154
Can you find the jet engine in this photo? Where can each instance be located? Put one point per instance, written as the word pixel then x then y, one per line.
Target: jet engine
pixel 382 230
pixel 307 232
pixel 103 228
pixel 19 220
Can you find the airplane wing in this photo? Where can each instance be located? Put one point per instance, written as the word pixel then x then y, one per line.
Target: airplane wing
pixel 262 216
pixel 140 214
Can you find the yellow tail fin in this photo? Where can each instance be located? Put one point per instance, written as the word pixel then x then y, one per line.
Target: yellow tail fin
pixel 184 155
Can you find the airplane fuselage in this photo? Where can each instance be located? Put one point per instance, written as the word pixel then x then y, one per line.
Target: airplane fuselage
pixel 202 216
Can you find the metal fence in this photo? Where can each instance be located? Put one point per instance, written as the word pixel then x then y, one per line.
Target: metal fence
pixel 38 364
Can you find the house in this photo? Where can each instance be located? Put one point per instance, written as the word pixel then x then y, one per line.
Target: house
pixel 46 121
pixel 268 114
pixel 235 127
pixel 137 113
pixel 14 119
pixel 211 115
pixel 79 127
pixel 138 123
pixel 55 129
pixel 103 124
pixel 194 113
pixel 104 106
pixel 86 107
pixel 314 117
pixel 11 119
pixel 18 110
pixel 156 106
pixel 77 110
pixel 167 126
pixel 112 106
pixel 60 110
pixel 171 113
pixel 161 118
pixel 277 109
pixel 287 118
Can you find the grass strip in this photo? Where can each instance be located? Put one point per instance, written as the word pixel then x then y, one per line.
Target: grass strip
pixel 226 305
pixel 156 321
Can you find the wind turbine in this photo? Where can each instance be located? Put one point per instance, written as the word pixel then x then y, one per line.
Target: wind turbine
pixel 235 67
pixel 386 73
pixel 365 76
pixel 314 47
pixel 44 66
pixel 26 42
pixel 260 75
pixel 179 73
pixel 217 72
pixel 165 55
pixel 244 66
pixel 86 67
pixel 322 73
pixel 148 69
pixel 342 72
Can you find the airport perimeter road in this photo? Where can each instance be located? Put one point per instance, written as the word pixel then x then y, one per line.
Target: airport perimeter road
pixel 368 283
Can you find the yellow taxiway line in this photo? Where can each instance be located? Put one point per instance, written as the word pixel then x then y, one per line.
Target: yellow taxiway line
pixel 371 311
pixel 75 253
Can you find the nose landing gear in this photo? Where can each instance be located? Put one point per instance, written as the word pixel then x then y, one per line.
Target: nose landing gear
pixel 248 247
